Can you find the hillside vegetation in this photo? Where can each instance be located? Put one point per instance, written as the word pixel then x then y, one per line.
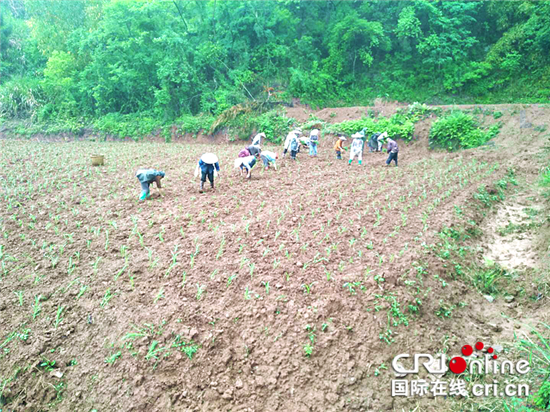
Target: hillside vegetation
pixel 130 67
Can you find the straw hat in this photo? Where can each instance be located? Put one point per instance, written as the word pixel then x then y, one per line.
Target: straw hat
pixel 209 158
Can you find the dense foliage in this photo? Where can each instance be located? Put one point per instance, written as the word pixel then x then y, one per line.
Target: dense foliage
pixel 163 60
pixel 397 126
pixel 459 130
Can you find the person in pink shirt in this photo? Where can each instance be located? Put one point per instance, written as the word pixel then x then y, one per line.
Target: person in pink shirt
pixel 393 150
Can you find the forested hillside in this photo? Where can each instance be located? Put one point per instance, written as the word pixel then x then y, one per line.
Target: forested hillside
pixel 163 60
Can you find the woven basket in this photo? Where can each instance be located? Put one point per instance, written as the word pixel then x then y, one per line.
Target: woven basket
pixel 98 160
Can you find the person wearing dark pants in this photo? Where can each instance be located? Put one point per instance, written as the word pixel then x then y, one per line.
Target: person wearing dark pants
pixel 339 146
pixel 289 138
pixel 294 147
pixel 254 150
pixel 209 166
pixel 393 151
pixel 245 164
pixel 269 158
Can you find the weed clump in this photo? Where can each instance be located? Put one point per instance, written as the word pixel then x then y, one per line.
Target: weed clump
pixel 460 131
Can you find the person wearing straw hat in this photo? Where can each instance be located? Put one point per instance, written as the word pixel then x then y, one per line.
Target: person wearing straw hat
pixel 339 146
pixel 209 167
pixel 293 135
pixel 295 144
pixel 146 177
pixel 269 158
pixel 246 164
pixel 356 148
pixel 257 141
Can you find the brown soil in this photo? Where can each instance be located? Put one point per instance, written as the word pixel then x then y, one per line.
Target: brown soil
pixel 312 255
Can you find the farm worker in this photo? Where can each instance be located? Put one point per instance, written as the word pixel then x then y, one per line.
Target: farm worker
pixel 303 140
pixel 313 140
pixel 393 150
pixel 373 142
pixel 381 140
pixel 356 148
pixel 294 146
pixel 244 153
pixel 268 158
pixel 257 141
pixel 338 146
pixel 253 150
pixel 289 137
pixel 246 164
pixel 209 166
pixel 146 177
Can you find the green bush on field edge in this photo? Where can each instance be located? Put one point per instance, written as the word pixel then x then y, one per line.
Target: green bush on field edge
pixel 459 130
pixel 397 126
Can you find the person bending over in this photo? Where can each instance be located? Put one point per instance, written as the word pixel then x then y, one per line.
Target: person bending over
pixel 209 167
pixel 146 177
pixel 269 158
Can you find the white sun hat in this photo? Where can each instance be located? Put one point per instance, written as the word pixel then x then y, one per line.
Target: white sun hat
pixel 209 158
pixel 342 138
pixel 356 135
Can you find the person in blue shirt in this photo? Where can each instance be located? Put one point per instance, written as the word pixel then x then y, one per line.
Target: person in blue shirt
pixel 209 166
pixel 269 158
pixel 146 177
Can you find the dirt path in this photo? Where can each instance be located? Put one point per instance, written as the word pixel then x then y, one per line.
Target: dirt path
pixel 511 233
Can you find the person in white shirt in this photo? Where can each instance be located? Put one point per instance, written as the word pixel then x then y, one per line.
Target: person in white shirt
pixel 257 141
pixel 294 134
pixel 381 140
pixel 356 148
pixel 245 164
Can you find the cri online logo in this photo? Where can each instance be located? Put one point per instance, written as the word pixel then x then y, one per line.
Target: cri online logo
pixel 486 364
pixel 458 364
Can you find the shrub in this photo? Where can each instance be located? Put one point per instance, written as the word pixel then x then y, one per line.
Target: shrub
pixel 194 124
pixel 244 120
pixel 418 111
pixel 460 131
pixel 275 124
pixel 21 97
pixel 397 126
pixel 126 125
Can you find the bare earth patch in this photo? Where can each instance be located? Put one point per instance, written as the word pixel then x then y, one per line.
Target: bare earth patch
pixel 291 291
